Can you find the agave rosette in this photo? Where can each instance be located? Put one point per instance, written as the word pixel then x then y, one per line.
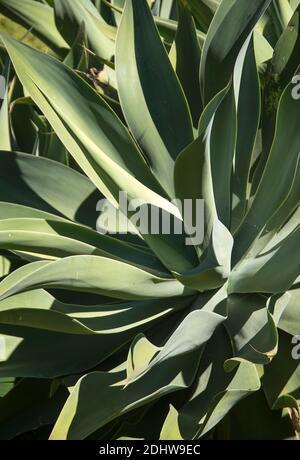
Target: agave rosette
pixel 142 336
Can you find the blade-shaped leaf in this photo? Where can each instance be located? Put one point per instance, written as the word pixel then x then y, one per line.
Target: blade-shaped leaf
pixel 248 116
pixel 285 150
pixel 188 56
pixel 47 186
pixel 172 369
pixel 281 378
pixel 92 274
pixel 264 273
pixel 36 16
pixel 87 334
pixel 97 140
pixel 251 328
pixel 153 102
pixel 224 42
pixel 53 239
pixel 71 14
pixel 215 391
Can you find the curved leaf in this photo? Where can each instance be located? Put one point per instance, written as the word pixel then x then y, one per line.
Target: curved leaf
pixel 36 16
pixel 265 204
pixel 100 397
pixel 71 14
pixel 97 140
pixel 264 273
pixel 47 186
pixel 153 103
pixel 188 56
pixel 248 117
pixel 224 42
pixel 93 274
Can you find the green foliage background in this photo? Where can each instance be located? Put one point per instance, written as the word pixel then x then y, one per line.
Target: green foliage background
pixel 141 336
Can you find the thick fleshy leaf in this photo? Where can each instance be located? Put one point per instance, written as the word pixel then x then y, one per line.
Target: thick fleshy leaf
pixel 215 391
pixel 36 16
pixel 221 156
pixel 154 105
pixel 71 14
pixel 202 12
pixel 188 172
pixel 287 45
pixel 252 329
pixel 279 75
pixel 208 315
pixel 166 27
pixel 281 378
pixel 248 115
pixel 223 42
pixel 166 8
pixel 264 273
pixel 290 320
pixel 47 186
pixel 275 231
pixel 23 127
pixel 193 173
pixel 5 265
pixel 51 239
pixel 244 382
pixel 28 353
pixel 170 429
pixel 48 145
pixel 140 354
pixel 188 56
pixel 224 125
pixel 277 19
pixel 263 49
pixel 77 58
pixel 289 211
pixel 39 309
pixel 210 109
pixel 92 274
pixel 93 127
pixel 88 334
pixel 215 263
pixel 264 203
pixel 10 210
pixel 172 369
pixel 97 140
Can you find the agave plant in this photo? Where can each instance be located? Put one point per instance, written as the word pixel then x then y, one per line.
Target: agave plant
pixel 141 336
